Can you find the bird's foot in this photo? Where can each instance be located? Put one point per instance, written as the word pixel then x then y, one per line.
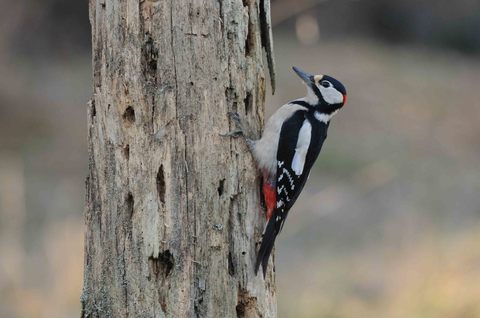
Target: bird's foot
pixel 239 127
pixel 234 133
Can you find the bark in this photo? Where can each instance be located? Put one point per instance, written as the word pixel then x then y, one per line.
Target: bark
pixel 173 213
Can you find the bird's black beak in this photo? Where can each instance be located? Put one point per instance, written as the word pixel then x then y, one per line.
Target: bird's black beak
pixel 306 77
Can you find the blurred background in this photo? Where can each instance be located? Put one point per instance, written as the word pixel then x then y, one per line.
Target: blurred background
pixel 389 224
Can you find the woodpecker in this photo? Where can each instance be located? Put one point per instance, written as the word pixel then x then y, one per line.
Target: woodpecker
pixel 290 144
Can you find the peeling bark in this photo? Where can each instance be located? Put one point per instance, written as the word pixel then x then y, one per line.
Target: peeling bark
pixel 173 213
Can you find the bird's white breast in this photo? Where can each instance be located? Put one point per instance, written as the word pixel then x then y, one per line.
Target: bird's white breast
pixel 265 149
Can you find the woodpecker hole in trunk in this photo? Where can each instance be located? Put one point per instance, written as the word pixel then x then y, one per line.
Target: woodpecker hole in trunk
pixel 129 115
pixel 162 265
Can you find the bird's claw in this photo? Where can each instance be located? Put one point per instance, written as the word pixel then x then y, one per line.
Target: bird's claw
pixel 234 133
pixel 238 131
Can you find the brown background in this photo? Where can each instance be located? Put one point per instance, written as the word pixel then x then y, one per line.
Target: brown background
pixel 389 223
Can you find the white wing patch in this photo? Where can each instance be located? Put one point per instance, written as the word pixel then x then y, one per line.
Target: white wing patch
pixel 303 142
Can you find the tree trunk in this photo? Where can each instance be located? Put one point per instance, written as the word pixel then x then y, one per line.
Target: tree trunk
pixel 173 213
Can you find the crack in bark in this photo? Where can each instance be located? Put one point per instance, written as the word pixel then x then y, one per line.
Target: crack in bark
pixel 152 119
pixel 149 59
pixel 221 184
pixel 93 109
pixel 126 151
pixel 231 265
pixel 124 277
pixel 130 203
pixel 250 39
pixel 161 184
pixel 248 102
pixel 172 33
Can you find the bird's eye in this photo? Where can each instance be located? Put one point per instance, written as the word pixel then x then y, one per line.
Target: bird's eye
pixel 326 84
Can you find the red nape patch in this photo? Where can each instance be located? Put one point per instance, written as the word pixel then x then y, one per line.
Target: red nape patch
pixel 269 193
pixel 344 99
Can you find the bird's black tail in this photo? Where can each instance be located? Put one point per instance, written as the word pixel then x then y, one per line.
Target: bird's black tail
pixel 266 247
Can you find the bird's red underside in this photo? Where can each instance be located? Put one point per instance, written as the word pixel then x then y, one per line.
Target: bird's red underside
pixel 269 193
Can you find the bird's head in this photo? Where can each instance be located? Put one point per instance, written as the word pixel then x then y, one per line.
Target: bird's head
pixel 323 91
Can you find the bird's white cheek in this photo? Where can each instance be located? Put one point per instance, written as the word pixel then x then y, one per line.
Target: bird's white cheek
pixel 331 95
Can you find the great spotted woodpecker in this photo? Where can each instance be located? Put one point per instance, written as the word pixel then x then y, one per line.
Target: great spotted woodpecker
pixel 290 144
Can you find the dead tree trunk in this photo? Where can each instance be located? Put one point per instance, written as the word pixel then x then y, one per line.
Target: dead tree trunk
pixel 172 216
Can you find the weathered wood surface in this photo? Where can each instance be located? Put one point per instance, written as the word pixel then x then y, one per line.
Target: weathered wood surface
pixel 172 215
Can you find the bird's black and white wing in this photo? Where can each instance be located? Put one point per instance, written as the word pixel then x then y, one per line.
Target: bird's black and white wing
pixel 300 142
pixel 301 139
